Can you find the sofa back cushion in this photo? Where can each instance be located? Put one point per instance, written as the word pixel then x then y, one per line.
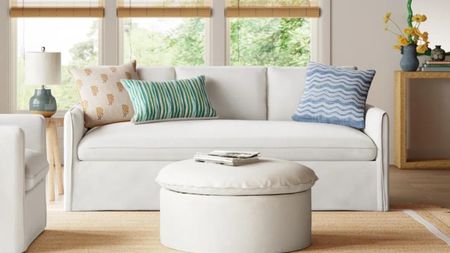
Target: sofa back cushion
pixel 285 87
pixel 156 73
pixel 235 92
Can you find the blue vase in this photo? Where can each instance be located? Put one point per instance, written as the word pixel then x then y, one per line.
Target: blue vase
pixel 409 61
pixel 42 102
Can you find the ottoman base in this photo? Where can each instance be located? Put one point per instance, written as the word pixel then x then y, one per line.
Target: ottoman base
pixel 234 224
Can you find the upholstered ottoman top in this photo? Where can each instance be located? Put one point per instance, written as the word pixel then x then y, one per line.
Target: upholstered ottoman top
pixel 262 178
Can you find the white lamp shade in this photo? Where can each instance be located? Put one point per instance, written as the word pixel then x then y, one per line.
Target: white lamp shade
pixel 42 68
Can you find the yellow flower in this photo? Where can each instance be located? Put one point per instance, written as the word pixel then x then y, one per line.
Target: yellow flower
pixel 424 36
pixel 403 41
pixel 417 18
pixel 423 18
pixel 408 31
pixel 416 32
pixel 387 17
pixel 398 47
pixel 422 48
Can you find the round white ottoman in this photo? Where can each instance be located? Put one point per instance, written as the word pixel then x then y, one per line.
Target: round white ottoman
pixel 259 207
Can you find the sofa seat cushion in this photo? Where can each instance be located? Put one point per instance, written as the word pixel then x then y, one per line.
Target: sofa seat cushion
pixel 36 168
pixel 265 177
pixel 178 140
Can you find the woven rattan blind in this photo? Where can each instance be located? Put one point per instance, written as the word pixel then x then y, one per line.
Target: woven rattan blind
pixel 164 8
pixel 273 8
pixel 57 8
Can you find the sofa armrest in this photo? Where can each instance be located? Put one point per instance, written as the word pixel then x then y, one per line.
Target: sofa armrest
pixel 33 127
pixel 377 128
pixel 73 133
pixel 12 187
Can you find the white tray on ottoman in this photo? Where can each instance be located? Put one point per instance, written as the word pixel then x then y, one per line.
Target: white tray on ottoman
pixel 259 207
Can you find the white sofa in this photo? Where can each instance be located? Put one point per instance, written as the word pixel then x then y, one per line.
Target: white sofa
pixel 23 167
pixel 113 167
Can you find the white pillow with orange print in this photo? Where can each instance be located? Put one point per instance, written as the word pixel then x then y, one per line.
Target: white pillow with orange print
pixel 103 97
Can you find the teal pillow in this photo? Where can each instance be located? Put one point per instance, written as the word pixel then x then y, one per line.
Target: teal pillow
pixel 169 100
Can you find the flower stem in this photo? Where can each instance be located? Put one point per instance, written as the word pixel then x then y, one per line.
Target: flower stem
pixel 395 33
pixel 410 16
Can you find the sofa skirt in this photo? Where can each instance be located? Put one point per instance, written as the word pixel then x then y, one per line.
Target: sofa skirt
pixel 130 185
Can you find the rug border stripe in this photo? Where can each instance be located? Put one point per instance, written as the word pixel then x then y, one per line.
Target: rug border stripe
pixel 432 228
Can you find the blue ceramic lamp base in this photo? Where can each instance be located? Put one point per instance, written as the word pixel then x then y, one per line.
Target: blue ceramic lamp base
pixel 43 103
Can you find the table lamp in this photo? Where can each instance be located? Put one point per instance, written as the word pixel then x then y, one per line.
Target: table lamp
pixel 43 68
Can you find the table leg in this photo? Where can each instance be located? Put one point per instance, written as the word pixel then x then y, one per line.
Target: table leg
pixel 56 158
pixel 51 162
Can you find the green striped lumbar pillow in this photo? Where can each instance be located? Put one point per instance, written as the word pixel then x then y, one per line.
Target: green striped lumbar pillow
pixel 168 100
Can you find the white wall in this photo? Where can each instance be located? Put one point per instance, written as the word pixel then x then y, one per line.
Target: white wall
pixel 438 21
pixel 358 38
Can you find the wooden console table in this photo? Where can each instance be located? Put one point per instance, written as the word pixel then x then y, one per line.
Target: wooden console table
pixel 401 121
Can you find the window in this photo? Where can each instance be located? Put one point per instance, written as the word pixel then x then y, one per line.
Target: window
pixel 270 41
pixel 164 32
pixel 165 41
pixel 66 26
pixel 75 38
pixel 274 33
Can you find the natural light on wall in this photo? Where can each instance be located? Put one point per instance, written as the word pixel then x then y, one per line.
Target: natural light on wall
pixel 276 33
pixel 69 27
pixel 164 32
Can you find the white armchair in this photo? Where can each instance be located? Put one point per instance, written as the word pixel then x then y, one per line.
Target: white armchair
pixel 23 167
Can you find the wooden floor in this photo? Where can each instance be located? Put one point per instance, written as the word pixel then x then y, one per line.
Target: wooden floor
pixel 419 187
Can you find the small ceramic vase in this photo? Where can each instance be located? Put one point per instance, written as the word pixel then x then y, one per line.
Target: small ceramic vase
pixel 438 54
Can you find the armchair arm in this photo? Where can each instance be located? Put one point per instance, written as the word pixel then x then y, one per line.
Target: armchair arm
pixel 12 187
pixel 377 128
pixel 33 127
pixel 73 132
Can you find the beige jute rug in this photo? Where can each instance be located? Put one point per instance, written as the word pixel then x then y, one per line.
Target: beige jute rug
pixel 393 231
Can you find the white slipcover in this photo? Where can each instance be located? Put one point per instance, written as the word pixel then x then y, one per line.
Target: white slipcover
pixel 178 140
pixel 23 168
pixel 235 92
pixel 157 73
pixel 235 224
pixel 285 87
pixel 353 167
pixel 265 177
pixel 36 167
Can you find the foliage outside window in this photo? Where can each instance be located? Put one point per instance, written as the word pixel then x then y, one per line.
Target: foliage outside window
pixel 270 41
pixel 75 38
pixel 165 41
pixel 253 41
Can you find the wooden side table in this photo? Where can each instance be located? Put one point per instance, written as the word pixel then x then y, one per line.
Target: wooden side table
pixel 53 157
pixel 401 121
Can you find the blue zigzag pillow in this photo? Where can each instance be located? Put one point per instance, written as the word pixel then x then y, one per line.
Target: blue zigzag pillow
pixel 334 95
